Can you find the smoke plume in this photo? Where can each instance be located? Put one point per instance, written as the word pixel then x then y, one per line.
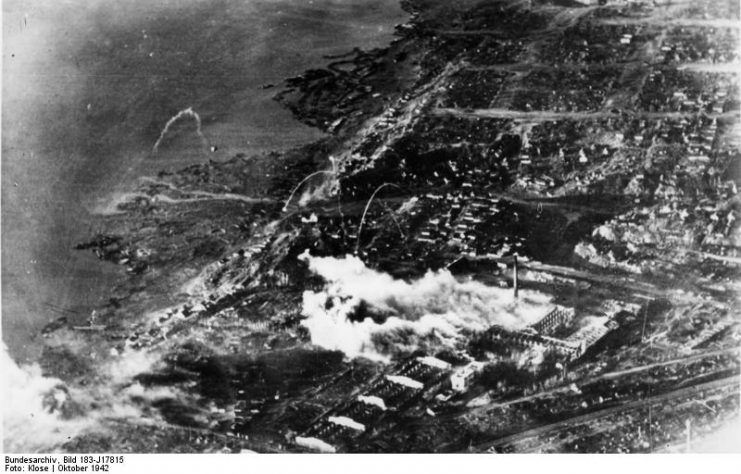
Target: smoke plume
pixel 41 413
pixel 433 312
pixel 30 421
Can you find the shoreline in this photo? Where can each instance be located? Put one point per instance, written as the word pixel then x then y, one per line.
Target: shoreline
pixel 395 265
pixel 216 121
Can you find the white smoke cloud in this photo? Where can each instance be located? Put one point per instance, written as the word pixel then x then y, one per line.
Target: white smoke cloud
pixel 28 425
pixel 433 311
pixel 41 413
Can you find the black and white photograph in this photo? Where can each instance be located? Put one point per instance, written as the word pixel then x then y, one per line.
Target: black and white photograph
pixel 369 226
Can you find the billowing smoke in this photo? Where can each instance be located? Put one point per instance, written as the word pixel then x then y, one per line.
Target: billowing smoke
pixel 41 413
pixel 33 408
pixel 433 312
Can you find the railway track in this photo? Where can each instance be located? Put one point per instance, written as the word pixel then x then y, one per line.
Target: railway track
pixel 590 417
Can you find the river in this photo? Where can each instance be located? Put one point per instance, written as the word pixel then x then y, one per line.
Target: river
pixel 88 86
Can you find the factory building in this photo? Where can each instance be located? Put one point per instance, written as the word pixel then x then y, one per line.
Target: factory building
pixel 315 444
pixel 590 334
pixel 461 379
pixel 553 319
pixel 538 334
pixel 405 383
pixel 434 362
pixel 570 349
pixel 373 401
pixel 347 422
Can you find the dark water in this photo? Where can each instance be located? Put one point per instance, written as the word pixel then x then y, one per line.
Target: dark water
pixel 87 88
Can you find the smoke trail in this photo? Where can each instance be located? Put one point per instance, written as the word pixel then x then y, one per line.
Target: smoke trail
pixel 298 186
pixel 365 211
pixel 327 187
pixel 433 312
pixel 189 112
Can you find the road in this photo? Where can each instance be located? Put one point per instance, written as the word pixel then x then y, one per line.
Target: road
pixel 721 258
pixel 691 22
pixel 552 116
pixel 564 19
pixel 201 195
pixel 725 68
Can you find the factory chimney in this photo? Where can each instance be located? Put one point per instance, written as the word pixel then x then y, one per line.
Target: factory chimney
pixel 514 278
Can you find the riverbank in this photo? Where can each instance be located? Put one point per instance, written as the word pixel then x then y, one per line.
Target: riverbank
pixel 85 134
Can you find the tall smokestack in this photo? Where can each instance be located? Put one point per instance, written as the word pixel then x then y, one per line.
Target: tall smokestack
pixel 514 279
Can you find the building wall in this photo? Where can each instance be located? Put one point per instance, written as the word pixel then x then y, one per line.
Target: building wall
pixel 556 317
